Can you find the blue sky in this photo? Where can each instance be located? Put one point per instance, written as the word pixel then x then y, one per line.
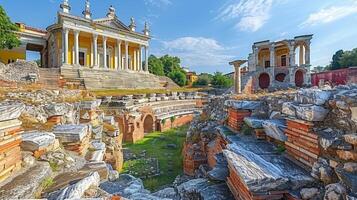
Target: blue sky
pixel 207 34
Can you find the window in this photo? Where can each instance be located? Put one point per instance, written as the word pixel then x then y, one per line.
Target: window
pixel 283 61
pixel 82 58
pixel 267 64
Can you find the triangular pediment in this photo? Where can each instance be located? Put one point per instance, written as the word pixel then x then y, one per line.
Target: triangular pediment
pixel 112 23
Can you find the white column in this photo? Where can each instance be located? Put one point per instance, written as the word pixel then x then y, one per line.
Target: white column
pixel 135 61
pixel 105 52
pixel 141 58
pixel 146 58
pixel 138 59
pixel 126 55
pixel 116 57
pixel 301 55
pixel 272 56
pixel 76 47
pixel 119 54
pixel 95 51
pixel 66 32
pixel 307 53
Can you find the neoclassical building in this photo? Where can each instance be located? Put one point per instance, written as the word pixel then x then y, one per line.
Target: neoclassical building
pixel 274 64
pixel 82 42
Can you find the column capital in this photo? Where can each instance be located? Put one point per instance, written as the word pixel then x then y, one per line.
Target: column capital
pixel 119 41
pixel 95 36
pixel 104 38
pixel 76 32
pixel 126 43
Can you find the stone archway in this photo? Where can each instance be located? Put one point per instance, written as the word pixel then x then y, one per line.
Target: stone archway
pixel 264 80
pixel 299 78
pixel 148 124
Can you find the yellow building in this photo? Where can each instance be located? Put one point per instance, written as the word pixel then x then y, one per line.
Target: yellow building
pixel 83 42
pixel 191 78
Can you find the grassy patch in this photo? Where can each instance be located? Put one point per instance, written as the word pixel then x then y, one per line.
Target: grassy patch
pixel 46 183
pixel 120 92
pixel 170 159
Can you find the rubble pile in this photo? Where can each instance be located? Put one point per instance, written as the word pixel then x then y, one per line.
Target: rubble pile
pixel 39 143
pixel 10 137
pixel 20 70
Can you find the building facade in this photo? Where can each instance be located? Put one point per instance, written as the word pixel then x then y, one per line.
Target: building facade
pixel 274 64
pixel 82 42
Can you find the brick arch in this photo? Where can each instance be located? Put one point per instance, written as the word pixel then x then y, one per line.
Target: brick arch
pixel 148 122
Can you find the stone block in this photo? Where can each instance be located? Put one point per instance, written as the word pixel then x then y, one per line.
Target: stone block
pixel 9 111
pixel 71 133
pixel 311 113
pixel 312 96
pixel 275 129
pixel 36 140
pixel 347 155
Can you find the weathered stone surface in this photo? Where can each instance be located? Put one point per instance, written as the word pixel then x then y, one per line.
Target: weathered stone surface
pixel 145 196
pixel 70 133
pixel 275 129
pixel 309 193
pixel 19 71
pixel 312 96
pixel 351 138
pixel 9 111
pixel 96 166
pixel 220 171
pixel 348 178
pixel 77 190
pixel 125 186
pixel 90 105
pixel 57 109
pixel 321 170
pixel 311 113
pixel 245 105
pixel 350 167
pixel 203 189
pixel 347 155
pixel 335 191
pixel 35 140
pixel 289 109
pixel 254 122
pixel 167 193
pixel 25 185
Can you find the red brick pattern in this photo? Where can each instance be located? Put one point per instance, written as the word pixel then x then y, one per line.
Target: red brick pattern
pixel 179 121
pixel 213 150
pixel 260 134
pixel 302 143
pixel 10 151
pixel 192 159
pixel 236 118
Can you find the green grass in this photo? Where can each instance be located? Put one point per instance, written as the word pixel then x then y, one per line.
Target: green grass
pixel 155 145
pixel 119 92
pixel 46 183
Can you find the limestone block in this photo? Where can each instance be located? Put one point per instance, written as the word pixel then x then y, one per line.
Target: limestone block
pixel 77 190
pixel 57 109
pixel 254 122
pixel 126 185
pixel 25 185
pixel 311 112
pixel 309 193
pixel 71 133
pixel 288 108
pixel 36 140
pixel 9 111
pixel 275 129
pixel 335 191
pixel 312 96
pixel 245 105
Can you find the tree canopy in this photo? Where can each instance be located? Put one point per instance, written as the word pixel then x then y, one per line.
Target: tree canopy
pixel 343 59
pixel 8 38
pixel 221 81
pixel 204 79
pixel 169 66
pixel 178 77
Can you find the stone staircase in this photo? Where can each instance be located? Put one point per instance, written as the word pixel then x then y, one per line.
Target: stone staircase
pixel 111 79
pixel 49 77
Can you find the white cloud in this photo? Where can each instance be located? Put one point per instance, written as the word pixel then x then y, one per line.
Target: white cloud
pixel 197 51
pixel 251 14
pixel 330 14
pixel 158 3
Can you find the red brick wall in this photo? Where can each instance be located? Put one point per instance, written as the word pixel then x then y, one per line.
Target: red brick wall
pixel 236 117
pixel 179 121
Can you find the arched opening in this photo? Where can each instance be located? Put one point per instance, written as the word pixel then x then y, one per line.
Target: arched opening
pixel 280 77
pixel 148 124
pixel 264 80
pixel 299 78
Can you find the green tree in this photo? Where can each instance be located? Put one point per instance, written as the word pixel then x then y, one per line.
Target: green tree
pixel 336 58
pixel 8 38
pixel 178 77
pixel 204 79
pixel 221 81
pixel 155 66
pixel 170 64
pixel 348 59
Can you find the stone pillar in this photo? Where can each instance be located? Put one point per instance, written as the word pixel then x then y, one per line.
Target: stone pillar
pixel 126 55
pixel 135 61
pixel 307 53
pixel 146 59
pixel 105 52
pixel 115 57
pixel 301 55
pixel 141 58
pixel 292 55
pixel 272 56
pixel 95 51
pixel 237 80
pixel 138 59
pixel 119 54
pixel 256 56
pixel 76 47
pixel 65 44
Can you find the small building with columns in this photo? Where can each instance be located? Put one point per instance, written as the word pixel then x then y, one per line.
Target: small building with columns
pixel 81 42
pixel 279 64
